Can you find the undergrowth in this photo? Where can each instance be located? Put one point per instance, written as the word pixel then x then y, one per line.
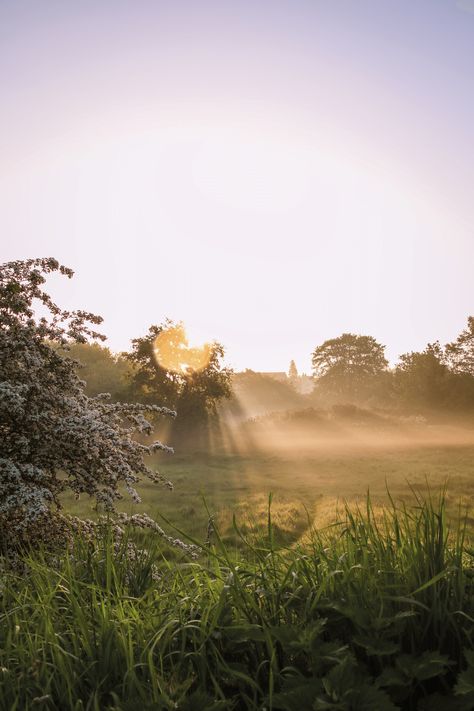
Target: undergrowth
pixel 375 613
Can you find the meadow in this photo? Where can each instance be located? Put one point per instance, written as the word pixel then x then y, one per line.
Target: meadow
pixel 349 588
pixel 310 474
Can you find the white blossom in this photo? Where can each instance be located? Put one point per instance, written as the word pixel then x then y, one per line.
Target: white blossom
pixel 53 437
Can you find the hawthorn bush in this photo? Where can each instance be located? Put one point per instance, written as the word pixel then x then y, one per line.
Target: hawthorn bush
pixel 53 437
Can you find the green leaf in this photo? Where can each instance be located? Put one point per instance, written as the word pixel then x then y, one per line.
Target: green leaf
pixel 299 638
pixel 377 647
pixel 437 702
pixel 391 676
pixel 364 698
pixel 298 694
pixel 200 701
pixel 425 666
pixel 244 633
pixel 341 679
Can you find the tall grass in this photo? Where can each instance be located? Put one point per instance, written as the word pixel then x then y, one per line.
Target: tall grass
pixel 375 613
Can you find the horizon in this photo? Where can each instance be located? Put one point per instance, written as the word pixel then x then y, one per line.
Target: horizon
pixel 392 363
pixel 272 176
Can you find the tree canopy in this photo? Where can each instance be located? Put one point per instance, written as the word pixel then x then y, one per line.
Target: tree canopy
pixel 460 353
pixel 346 366
pixel 102 371
pixel 422 379
pixel 189 380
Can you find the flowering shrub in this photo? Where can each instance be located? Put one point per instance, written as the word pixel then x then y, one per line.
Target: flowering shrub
pixel 53 437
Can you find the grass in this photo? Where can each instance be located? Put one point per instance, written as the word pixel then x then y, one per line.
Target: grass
pixel 374 613
pixel 308 487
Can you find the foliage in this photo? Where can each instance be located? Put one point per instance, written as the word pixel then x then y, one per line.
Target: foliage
pixel 102 371
pixel 53 437
pixel 422 380
pixel 460 353
pixel 194 393
pixel 349 366
pixel 370 615
pixel 293 371
pixel 431 380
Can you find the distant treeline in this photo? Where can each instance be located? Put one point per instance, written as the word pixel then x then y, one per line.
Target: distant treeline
pixel 347 369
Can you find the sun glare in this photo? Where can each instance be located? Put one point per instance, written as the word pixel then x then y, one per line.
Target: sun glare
pixel 172 351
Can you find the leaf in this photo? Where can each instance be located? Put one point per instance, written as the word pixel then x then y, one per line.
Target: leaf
pixel 341 679
pixel 425 666
pixel 437 702
pixel 298 694
pixel 244 633
pixel 465 682
pixel 377 647
pixel 299 638
pixel 391 676
pixel 369 698
pixel 286 634
pixel 200 701
pixel 364 698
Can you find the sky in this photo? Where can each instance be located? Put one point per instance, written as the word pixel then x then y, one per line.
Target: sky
pixel 272 173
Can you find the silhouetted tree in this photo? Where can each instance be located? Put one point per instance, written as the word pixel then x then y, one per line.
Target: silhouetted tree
pixel 460 354
pixel 422 379
pixel 348 367
pixel 293 371
pixel 193 392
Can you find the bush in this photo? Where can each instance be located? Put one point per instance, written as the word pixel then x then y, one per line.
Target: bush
pixel 53 437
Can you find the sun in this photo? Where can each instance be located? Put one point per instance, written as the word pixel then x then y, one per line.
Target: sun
pixel 173 352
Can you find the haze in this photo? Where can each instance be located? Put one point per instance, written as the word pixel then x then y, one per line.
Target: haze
pixel 272 173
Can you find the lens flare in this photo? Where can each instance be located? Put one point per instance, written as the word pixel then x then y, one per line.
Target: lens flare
pixel 172 351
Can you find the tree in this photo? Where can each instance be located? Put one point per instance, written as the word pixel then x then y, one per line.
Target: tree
pixel 102 371
pixel 256 394
pixel 348 367
pixel 460 353
pixel 293 372
pixel 422 379
pixel 192 381
pixel 53 437
pixel 436 379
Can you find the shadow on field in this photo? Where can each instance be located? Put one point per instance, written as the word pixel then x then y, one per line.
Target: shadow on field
pixel 312 465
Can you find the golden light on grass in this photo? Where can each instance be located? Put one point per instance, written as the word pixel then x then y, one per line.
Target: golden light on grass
pixel 172 351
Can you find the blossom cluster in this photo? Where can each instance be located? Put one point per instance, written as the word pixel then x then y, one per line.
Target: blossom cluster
pixel 53 437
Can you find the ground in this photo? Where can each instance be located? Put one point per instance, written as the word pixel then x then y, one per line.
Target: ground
pixel 309 481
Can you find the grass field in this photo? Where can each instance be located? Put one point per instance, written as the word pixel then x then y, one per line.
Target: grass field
pixel 376 614
pixel 309 482
pixel 373 614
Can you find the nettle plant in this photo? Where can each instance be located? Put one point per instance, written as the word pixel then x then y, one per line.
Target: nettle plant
pixel 53 437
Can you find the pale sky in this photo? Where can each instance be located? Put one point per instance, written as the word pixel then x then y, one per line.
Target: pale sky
pixel 271 173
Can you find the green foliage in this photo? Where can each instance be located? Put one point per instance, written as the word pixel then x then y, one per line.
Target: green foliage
pixel 349 367
pixel 102 371
pixel 433 380
pixel 371 615
pixel 422 380
pixel 460 353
